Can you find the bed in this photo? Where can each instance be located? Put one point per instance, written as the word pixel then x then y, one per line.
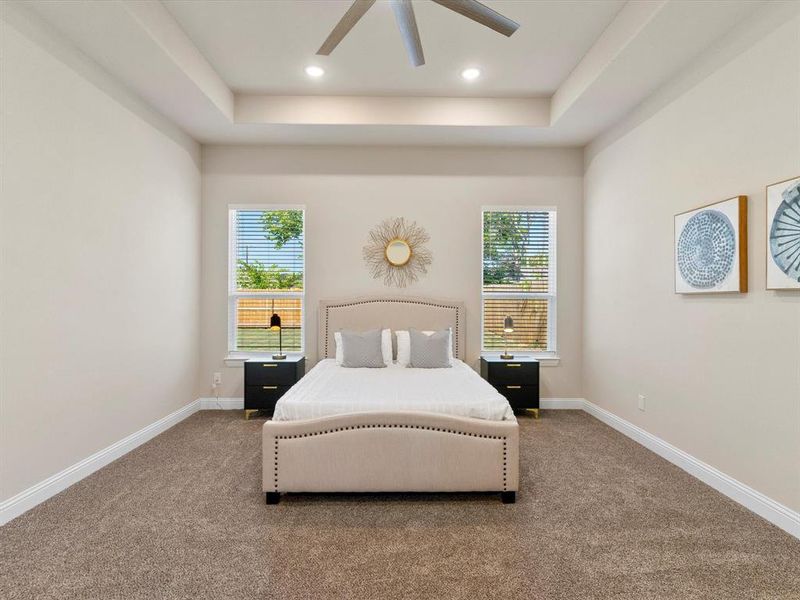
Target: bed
pixel 394 429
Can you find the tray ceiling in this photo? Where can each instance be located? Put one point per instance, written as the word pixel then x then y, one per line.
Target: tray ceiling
pixel 230 71
pixel 262 47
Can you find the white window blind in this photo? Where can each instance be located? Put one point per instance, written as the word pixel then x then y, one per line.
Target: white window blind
pixel 519 280
pixel 266 275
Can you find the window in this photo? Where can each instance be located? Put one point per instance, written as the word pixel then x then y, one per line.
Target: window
pixel 266 275
pixel 519 266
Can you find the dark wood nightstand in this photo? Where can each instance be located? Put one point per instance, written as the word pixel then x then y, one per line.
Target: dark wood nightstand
pixel 517 379
pixel 266 380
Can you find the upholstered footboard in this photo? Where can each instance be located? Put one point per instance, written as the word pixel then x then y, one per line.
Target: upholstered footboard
pixel 391 452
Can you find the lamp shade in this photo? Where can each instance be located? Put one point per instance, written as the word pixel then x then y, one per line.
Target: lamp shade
pixel 508 325
pixel 275 321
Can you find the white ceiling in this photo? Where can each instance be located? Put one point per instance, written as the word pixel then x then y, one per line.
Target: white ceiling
pixel 232 71
pixel 262 47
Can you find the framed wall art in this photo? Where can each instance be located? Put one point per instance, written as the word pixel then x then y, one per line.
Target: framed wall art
pixel 783 235
pixel 711 248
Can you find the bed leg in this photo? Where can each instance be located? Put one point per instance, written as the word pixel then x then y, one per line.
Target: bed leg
pixel 508 497
pixel 273 497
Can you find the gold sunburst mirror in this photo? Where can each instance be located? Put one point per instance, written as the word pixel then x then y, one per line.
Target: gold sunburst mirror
pixel 396 252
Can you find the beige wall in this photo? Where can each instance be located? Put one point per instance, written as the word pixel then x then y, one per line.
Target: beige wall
pixel 347 191
pixel 100 267
pixel 721 373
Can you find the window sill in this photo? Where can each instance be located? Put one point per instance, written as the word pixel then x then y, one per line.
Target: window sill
pixel 237 359
pixel 544 360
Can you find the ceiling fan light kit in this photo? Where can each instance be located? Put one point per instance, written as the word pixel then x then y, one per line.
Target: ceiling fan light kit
pixel 406 21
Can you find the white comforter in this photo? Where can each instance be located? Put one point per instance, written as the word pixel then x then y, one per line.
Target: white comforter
pixel 329 389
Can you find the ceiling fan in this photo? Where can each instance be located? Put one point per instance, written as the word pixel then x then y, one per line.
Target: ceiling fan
pixel 404 15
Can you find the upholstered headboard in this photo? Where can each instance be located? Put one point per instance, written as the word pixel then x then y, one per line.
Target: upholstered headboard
pixel 372 312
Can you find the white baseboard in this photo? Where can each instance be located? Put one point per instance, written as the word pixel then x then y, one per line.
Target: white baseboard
pixel 27 499
pixel 221 403
pixel 753 500
pixel 561 403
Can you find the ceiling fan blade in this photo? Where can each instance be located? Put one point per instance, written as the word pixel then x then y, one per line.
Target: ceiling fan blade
pixel 345 24
pixel 404 15
pixel 472 9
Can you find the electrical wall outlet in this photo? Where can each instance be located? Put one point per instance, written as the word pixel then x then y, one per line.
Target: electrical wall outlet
pixel 642 400
pixel 217 379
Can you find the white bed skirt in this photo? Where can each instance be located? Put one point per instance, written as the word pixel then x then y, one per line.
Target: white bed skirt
pixel 391 452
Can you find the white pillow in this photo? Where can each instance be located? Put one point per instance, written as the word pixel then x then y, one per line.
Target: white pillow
pixel 386 347
pixel 404 346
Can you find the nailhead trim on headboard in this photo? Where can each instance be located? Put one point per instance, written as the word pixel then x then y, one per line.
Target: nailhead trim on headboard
pixel 442 429
pixel 392 301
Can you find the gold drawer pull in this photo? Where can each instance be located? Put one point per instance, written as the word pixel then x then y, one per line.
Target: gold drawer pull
pixel 270 387
pixel 514 365
pixel 514 387
pixel 269 365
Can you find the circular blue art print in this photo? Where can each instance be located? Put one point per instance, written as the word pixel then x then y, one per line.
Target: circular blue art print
pixel 706 249
pixel 784 236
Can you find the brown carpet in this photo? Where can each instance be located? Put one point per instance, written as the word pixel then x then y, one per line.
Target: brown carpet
pixel 598 517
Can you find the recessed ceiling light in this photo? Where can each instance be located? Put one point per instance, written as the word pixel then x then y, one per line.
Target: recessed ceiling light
pixel 314 71
pixel 471 73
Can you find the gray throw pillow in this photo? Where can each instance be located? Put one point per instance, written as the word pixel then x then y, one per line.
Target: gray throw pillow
pixel 362 349
pixel 429 351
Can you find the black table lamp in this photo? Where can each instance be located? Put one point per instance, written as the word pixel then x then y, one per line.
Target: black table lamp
pixel 508 327
pixel 275 325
